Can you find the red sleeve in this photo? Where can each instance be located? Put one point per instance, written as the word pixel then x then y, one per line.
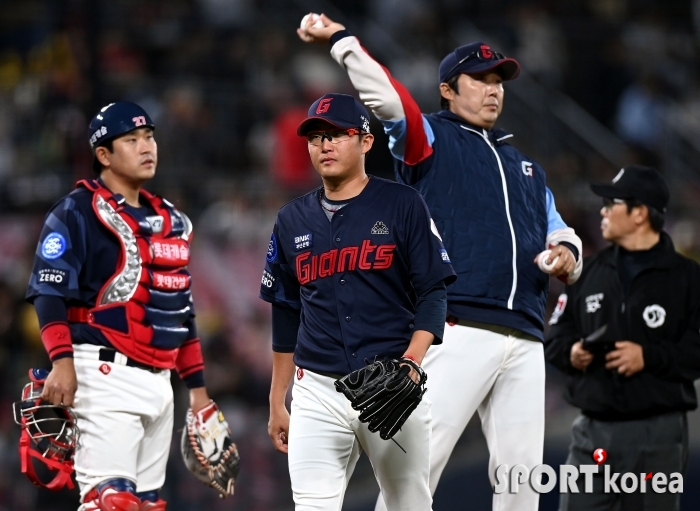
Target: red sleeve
pixel 190 363
pixel 417 146
pixel 388 99
pixel 57 340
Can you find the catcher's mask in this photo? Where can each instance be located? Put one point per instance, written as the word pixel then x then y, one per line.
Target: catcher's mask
pixel 49 434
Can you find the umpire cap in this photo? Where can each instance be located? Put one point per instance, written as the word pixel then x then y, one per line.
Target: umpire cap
pixel 113 121
pixel 476 58
pixel 646 184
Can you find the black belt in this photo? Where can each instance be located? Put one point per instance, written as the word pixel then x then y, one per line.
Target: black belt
pixel 109 355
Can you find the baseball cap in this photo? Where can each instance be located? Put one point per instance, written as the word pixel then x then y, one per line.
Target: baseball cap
pixel 476 58
pixel 646 184
pixel 340 110
pixel 114 120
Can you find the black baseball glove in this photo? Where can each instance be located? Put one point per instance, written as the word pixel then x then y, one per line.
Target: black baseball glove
pixel 384 393
pixel 208 451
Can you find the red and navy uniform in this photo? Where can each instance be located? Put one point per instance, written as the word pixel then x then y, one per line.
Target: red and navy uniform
pixel 79 255
pixel 354 278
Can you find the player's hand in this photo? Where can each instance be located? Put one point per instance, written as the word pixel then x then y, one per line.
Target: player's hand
pixel 319 35
pixel 580 357
pixel 627 358
pixel 565 264
pixel 61 384
pixel 199 399
pixel 413 374
pixel 278 428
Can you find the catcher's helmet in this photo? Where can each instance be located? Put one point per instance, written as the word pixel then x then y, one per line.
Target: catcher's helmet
pixel 49 433
pixel 114 120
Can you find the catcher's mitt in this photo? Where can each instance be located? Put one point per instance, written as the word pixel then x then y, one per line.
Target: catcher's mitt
pixel 384 393
pixel 208 451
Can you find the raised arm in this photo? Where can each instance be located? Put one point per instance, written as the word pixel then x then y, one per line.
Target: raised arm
pixel 410 135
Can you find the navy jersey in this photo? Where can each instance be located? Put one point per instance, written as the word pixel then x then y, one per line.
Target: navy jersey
pixel 356 277
pixel 75 256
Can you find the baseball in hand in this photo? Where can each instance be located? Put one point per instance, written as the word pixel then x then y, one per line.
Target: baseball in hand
pixel 314 17
pixel 542 261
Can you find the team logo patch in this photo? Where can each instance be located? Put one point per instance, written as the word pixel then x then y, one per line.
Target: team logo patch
pixel 380 228
pixel 559 309
pixel 300 373
pixel 323 106
pixel 593 302
pixel 445 257
pixel 271 249
pixel 527 168
pixel 654 316
pixel 105 369
pixel 304 241
pixel 54 246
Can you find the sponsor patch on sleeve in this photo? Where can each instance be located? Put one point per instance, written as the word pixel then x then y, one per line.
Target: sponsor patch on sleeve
pixel 303 242
pixel 445 257
pixel 54 246
pixel 268 281
pixel 53 276
pixel 271 249
pixel 559 309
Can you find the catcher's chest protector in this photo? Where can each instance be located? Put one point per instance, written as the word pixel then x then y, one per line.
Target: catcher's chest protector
pixel 142 307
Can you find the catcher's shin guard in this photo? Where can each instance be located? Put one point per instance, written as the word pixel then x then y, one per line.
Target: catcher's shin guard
pixel 112 495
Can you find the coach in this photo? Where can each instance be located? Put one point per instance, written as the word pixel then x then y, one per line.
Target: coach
pixel 627 334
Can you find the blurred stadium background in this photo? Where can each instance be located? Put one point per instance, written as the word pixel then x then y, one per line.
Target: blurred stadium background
pixel 605 83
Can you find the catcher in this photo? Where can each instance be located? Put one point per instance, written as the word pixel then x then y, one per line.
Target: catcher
pixel 356 275
pixel 112 292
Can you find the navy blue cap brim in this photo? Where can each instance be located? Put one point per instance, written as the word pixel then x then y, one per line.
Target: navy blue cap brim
pixel 508 68
pixel 301 130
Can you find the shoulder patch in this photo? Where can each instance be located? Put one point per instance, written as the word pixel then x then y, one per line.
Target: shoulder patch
pixel 272 249
pixel 54 246
pixel 445 257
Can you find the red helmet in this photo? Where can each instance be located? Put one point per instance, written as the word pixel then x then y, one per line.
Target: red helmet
pixel 49 434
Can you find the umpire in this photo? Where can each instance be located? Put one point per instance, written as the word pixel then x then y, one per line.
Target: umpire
pixel 627 335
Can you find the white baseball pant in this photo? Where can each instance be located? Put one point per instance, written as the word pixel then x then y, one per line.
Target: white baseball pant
pixel 125 417
pixel 502 376
pixel 325 442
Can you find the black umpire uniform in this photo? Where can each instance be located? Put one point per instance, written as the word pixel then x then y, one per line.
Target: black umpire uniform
pixel 651 298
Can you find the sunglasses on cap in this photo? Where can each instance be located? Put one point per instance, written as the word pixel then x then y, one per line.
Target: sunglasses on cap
pixel 334 136
pixel 478 54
